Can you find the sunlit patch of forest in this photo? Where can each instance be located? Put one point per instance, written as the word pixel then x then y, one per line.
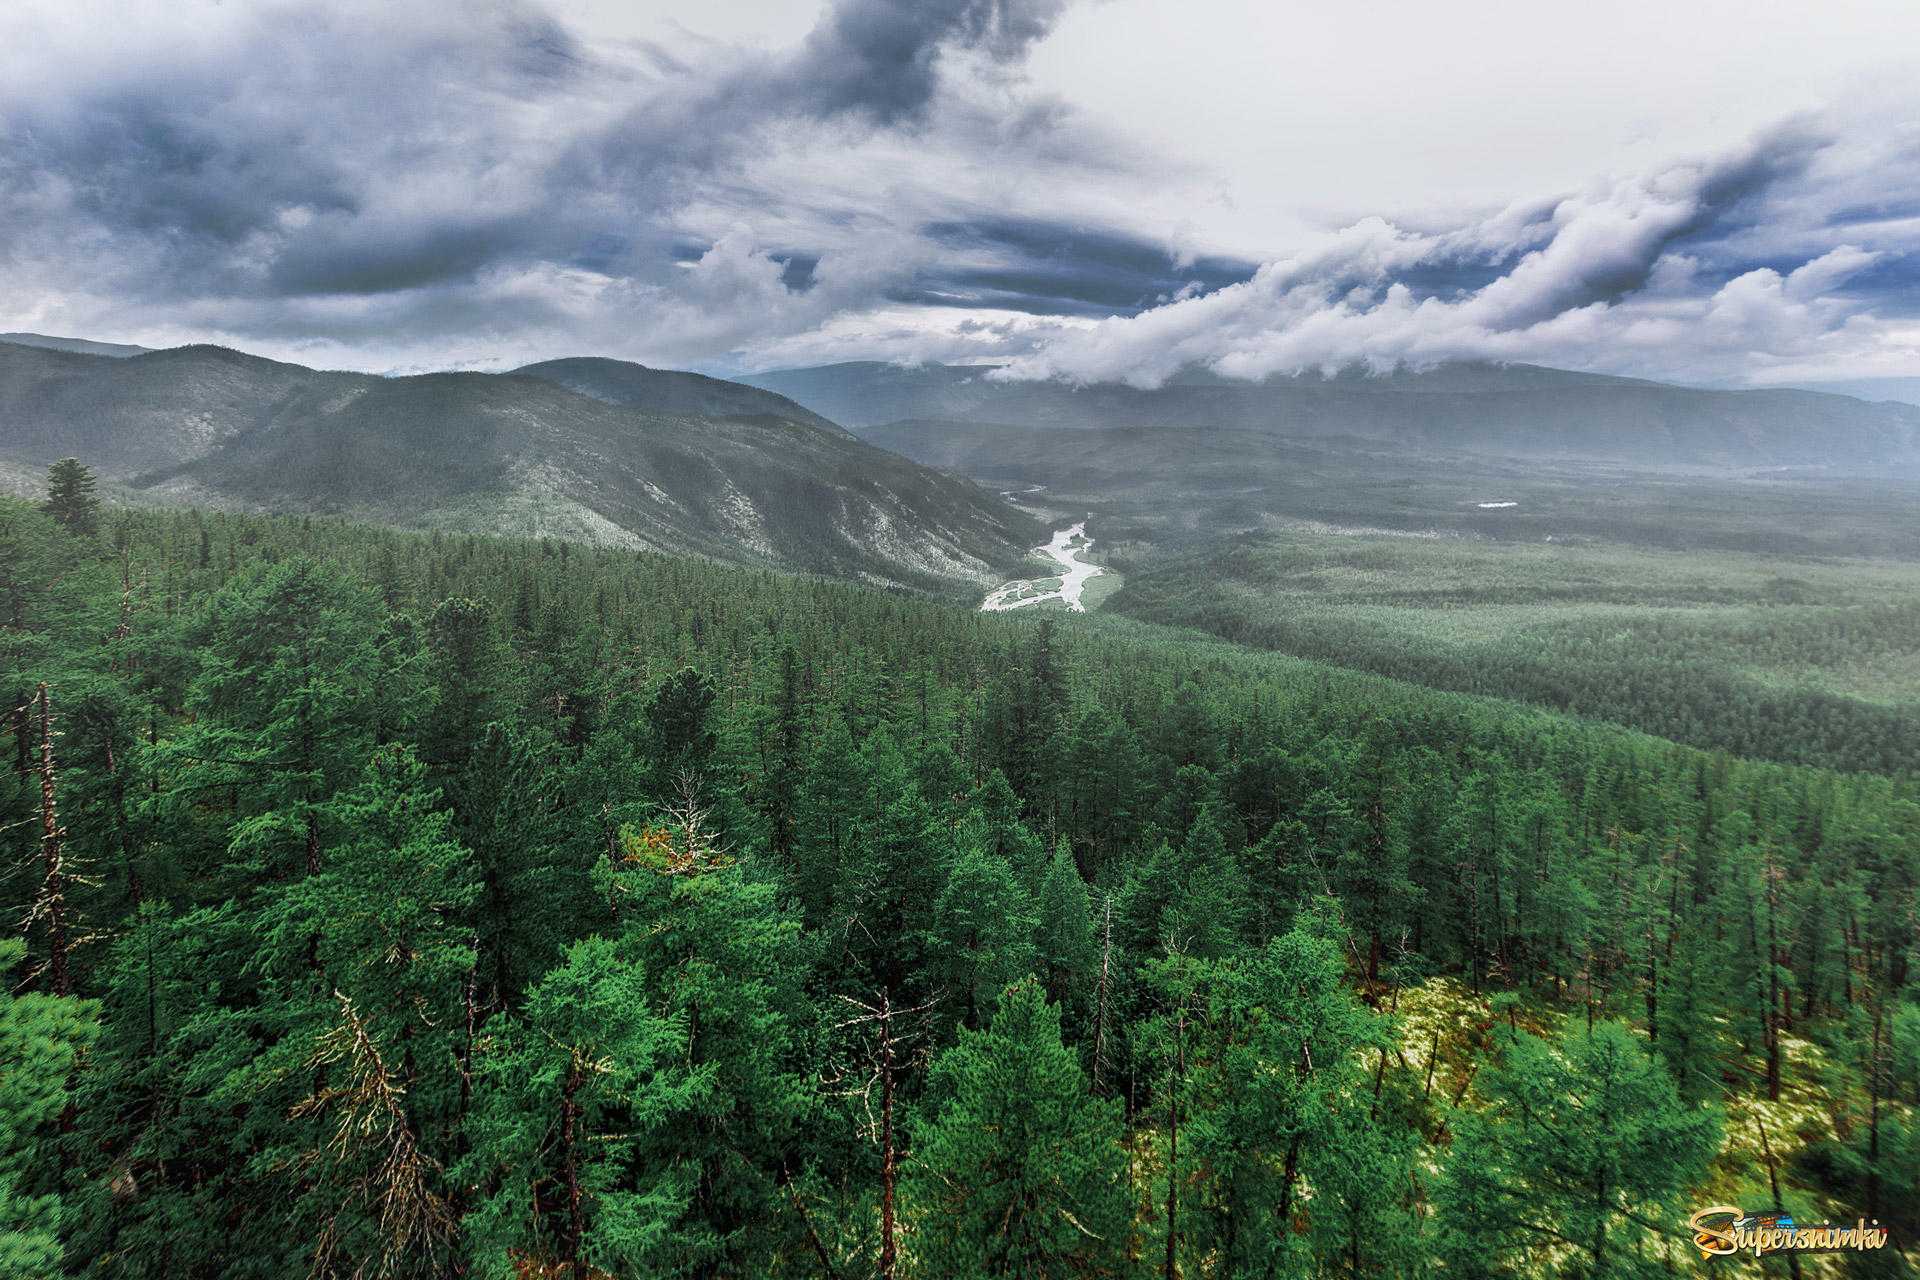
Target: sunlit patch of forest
pixel 417 904
pixel 1811 660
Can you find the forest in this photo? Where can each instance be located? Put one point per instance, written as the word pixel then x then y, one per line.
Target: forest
pixel 439 905
pixel 1797 658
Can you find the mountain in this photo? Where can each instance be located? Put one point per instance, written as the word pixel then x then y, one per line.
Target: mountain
pixel 667 390
pixel 1905 390
pixel 503 453
pixel 80 346
pixel 1504 410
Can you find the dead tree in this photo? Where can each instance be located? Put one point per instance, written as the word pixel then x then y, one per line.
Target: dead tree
pixel 1100 991
pixel 50 906
pixel 886 1049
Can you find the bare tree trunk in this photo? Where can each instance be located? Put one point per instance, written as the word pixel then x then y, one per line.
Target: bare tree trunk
pixel 52 904
pixel 1773 1177
pixel 889 1250
pixel 806 1220
pixel 1433 1056
pixel 1873 1123
pixel 1772 1023
pixel 569 1117
pixel 1100 1004
pixel 1173 1142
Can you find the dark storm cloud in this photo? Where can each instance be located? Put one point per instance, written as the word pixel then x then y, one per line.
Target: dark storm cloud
pixel 303 151
pixel 285 158
pixel 1056 268
pixel 877 57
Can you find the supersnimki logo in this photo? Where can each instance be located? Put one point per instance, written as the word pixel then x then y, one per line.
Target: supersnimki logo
pixel 1724 1229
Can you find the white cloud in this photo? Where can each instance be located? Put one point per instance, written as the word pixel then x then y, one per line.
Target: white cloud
pixel 1595 283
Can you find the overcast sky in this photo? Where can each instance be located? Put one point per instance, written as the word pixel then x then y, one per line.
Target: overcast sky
pixel 1702 190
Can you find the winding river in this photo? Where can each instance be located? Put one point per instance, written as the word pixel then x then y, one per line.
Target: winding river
pixel 1068 547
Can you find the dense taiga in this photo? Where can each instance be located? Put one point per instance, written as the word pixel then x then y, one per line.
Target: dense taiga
pixel 959 640
pixel 664 461
pixel 429 904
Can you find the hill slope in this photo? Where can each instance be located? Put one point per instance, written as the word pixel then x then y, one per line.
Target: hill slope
pixel 1516 411
pixel 501 453
pixel 666 390
pixel 81 346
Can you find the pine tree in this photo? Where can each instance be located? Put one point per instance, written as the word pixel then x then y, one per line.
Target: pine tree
pixel 70 498
pixel 680 739
pixel 301 673
pixel 1264 1075
pixel 472 674
pixel 1021 1173
pixel 383 927
pixel 574 1097
pixel 722 960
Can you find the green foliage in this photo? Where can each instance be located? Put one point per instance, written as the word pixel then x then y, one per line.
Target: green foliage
pixel 1582 1149
pixel 372 842
pixel 41 1037
pixel 1763 656
pixel 70 498
pixel 1021 1172
pixel 575 1094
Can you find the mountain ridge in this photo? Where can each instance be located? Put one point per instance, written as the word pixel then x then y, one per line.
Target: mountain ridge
pixel 502 453
pixel 1512 410
pixel 668 390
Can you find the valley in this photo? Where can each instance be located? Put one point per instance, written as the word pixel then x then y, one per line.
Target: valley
pixel 1427 744
pixel 1767 610
pixel 959 640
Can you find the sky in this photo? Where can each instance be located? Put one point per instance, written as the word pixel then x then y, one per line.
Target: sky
pixel 1090 190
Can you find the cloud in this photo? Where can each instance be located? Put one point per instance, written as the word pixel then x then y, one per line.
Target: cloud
pixel 1654 273
pixel 373 185
pixel 401 184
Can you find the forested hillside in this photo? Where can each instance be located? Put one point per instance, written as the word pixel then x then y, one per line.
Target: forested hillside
pixel 674 462
pixel 1511 410
pixel 431 904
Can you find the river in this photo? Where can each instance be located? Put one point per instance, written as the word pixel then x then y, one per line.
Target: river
pixel 1067 549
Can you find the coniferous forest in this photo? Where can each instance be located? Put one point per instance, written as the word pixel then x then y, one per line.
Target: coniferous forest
pixel 437 905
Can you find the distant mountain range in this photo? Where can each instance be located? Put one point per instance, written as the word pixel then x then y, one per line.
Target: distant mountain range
pixel 79 346
pixel 1501 410
pixel 595 450
pixel 1904 390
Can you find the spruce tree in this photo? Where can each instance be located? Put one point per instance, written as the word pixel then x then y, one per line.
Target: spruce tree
pixel 70 498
